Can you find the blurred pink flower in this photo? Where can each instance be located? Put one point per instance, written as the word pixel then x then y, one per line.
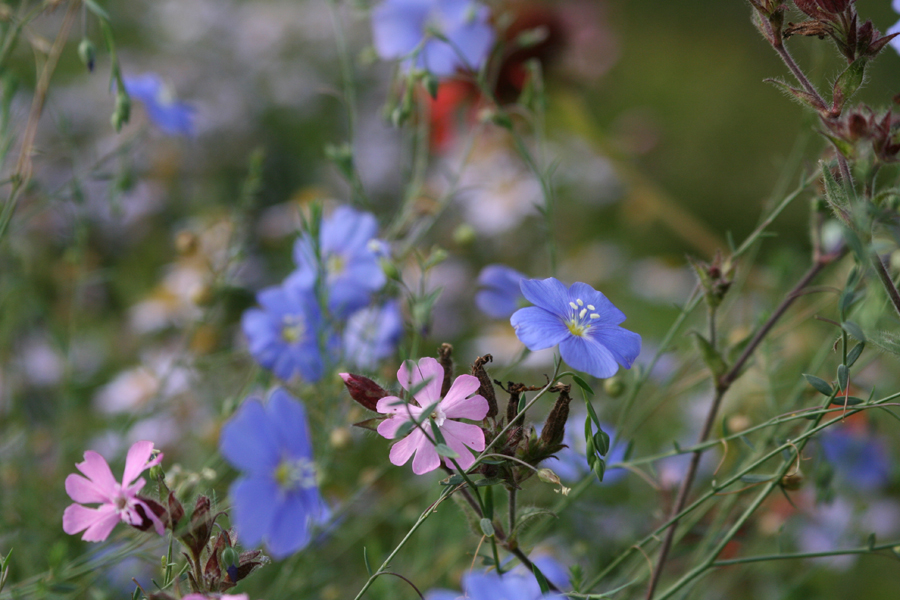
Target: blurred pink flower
pixel 118 502
pixel 222 597
pixel 460 403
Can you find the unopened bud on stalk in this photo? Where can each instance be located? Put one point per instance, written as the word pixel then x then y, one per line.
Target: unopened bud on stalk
pixel 614 386
pixel 364 390
pixel 122 112
pixel 485 388
pixel 87 53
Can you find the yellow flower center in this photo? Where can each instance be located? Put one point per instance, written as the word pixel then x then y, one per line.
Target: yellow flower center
pixel 580 317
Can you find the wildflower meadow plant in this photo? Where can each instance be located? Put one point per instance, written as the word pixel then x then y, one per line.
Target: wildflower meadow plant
pixel 118 501
pixel 151 291
pixel 435 420
pixel 277 498
pixel 581 320
pixel 284 335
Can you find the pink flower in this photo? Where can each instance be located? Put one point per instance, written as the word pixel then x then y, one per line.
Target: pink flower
pixel 118 502
pixel 222 597
pixel 460 403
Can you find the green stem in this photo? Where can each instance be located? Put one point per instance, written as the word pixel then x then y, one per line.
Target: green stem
pixel 795 555
pixel 886 280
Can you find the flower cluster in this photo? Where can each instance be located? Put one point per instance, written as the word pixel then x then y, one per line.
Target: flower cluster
pixel 294 331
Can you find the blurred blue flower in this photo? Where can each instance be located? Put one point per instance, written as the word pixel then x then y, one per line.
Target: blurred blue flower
pixel 283 335
pixel 490 586
pixel 859 458
pixel 349 253
pixel 572 465
pixel 276 498
pixel 499 295
pixel 402 27
pixel 581 320
pixel 172 117
pixel 372 335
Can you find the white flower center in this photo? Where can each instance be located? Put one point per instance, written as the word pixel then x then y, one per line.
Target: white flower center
pixel 335 265
pixel 580 317
pixel 295 473
pixel 439 416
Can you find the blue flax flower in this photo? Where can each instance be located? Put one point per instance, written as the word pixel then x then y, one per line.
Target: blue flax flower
pixel 283 335
pixel 172 117
pixel 490 586
pixel 859 457
pixel 372 335
pixel 401 27
pixel 350 254
pixel 581 320
pixel 499 296
pixel 276 498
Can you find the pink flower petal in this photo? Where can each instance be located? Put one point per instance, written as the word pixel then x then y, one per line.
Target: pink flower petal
pixel 426 459
pixel 98 522
pixel 402 450
pixel 463 387
pixel 137 461
pixel 393 405
pixel 465 458
pixel 470 435
pixel 97 470
pixel 388 428
pixel 157 524
pixel 411 376
pixel 81 489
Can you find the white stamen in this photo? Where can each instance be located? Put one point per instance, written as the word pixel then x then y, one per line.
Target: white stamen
pixel 591 307
pixel 582 313
pixel 595 316
pixel 572 304
pixel 580 303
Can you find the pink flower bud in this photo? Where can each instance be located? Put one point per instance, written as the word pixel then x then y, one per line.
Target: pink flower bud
pixel 364 390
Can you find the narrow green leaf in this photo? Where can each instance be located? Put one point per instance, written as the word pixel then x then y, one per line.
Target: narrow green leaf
pixel 835 193
pixel 542 581
pixel 821 386
pixel 582 384
pixel 710 355
pixel 750 478
pixel 847 400
pixel 487 527
pixel 843 377
pixel 445 450
pixel 453 480
pixel 849 81
pixel 489 503
pixel 854 353
pixel 592 413
pixel 854 330
pixel 366 561
pixel 487 481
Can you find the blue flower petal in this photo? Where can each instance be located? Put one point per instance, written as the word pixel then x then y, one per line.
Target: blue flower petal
pixel 255 501
pixel 248 441
pixel 397 27
pixel 588 355
pixel 623 344
pixel 538 329
pixel 288 417
pixel 549 294
pixel 289 531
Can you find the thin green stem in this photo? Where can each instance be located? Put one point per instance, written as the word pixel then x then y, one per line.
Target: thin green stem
pixel 795 555
pixel 886 281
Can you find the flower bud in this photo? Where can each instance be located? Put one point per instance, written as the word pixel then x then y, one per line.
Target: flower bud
pixel 122 112
pixel 792 481
pixel 614 386
pixel 364 390
pixel 485 387
pixel 87 53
